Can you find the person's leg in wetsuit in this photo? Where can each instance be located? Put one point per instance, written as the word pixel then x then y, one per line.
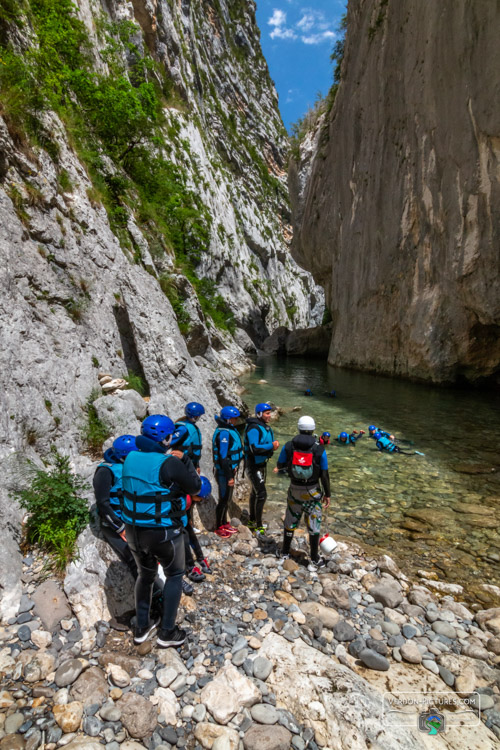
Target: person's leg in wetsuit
pixel 149 547
pixel 121 548
pixel 258 496
pixel 225 495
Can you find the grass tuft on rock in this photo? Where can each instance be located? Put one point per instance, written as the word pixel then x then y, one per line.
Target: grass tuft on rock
pixel 57 510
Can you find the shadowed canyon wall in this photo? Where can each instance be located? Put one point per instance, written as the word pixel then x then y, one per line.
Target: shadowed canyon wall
pixel 397 213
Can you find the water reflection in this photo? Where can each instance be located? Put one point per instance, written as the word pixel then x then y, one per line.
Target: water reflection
pixel 422 509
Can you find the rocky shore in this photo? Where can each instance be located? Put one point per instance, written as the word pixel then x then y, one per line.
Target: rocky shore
pixel 277 658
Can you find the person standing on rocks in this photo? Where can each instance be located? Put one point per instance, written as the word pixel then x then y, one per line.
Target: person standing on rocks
pixel 259 446
pixel 306 463
pixel 154 505
pixel 107 484
pixel 227 451
pixel 187 440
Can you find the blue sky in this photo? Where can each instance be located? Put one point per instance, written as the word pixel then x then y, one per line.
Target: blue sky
pixel 297 37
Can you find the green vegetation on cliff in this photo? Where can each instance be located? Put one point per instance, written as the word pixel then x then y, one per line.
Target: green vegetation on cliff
pixel 116 124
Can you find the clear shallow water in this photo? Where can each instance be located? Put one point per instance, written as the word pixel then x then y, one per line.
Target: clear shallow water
pixel 422 510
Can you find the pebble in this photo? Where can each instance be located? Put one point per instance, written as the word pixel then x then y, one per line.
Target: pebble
pixel 430 665
pixel 444 628
pixel 391 628
pixel 199 713
pixel 263 713
pixel 343 631
pixel 110 712
pixel 481 701
pixel 68 672
pixel 13 722
pixel 91 726
pixel 373 660
pixel 410 652
pixel 24 633
pixel 409 631
pixel 262 668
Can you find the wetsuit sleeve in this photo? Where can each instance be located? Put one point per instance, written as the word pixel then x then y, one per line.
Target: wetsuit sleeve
pixel 256 447
pixel 225 462
pixel 182 472
pixel 103 481
pixel 324 476
pixel 179 436
pixel 283 458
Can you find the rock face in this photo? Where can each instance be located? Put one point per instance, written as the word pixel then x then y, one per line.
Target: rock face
pixel 78 299
pixel 399 218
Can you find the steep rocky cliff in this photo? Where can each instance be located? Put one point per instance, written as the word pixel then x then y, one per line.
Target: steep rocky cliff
pixel 399 217
pixel 143 221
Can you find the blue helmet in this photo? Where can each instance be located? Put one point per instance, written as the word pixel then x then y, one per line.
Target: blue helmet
pixel 343 436
pixel 326 434
pixel 124 445
pixel 194 409
pixel 371 428
pixel 262 407
pixel 206 487
pixel 157 427
pixel 229 412
pixel 378 435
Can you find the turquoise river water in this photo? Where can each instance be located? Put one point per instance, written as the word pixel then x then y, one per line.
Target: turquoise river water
pixel 438 512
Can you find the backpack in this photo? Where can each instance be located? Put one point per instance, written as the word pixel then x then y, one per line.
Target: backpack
pixel 301 465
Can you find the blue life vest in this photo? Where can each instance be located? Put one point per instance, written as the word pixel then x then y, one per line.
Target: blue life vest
pixel 147 502
pixel 191 444
pixel 115 493
pixel 385 444
pixel 266 435
pixel 382 432
pixel 347 441
pixel 234 451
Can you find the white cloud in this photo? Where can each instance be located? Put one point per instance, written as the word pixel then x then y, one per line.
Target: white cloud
pixel 306 22
pixel 278 18
pixel 280 30
pixel 322 36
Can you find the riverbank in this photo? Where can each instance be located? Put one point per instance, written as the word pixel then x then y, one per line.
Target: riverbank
pixel 277 658
pixel 438 513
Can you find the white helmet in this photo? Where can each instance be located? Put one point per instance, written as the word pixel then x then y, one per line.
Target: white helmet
pixel 306 424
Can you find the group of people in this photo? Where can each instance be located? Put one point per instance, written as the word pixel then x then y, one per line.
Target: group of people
pixel 146 485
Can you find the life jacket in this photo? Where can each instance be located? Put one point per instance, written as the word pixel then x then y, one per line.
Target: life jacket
pixel 385 444
pixel 303 460
pixel 382 432
pixel 116 492
pixel 348 440
pixel 191 444
pixel 235 449
pixel 146 502
pixel 266 435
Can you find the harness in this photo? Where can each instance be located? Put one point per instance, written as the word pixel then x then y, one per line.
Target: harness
pixel 235 449
pixel 191 443
pixel 116 492
pixel 146 502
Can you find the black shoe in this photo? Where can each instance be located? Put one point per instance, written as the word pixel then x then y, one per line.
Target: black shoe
pixel 315 565
pixel 195 574
pixel 142 634
pixel 174 637
pixel 187 588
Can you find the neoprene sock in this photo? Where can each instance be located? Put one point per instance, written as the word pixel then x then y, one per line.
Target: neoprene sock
pixel 314 545
pixel 287 542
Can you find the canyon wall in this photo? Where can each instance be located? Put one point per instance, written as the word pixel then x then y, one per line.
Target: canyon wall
pixel 96 275
pixel 397 211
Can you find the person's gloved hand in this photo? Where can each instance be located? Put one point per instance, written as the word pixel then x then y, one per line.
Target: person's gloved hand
pixel 361 432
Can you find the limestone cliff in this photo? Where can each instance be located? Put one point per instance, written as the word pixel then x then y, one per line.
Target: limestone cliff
pixel 399 218
pixel 143 221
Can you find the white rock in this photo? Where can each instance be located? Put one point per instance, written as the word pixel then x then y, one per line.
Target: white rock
pixel 41 638
pixel 118 675
pixel 168 704
pixel 228 692
pixel 166 676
